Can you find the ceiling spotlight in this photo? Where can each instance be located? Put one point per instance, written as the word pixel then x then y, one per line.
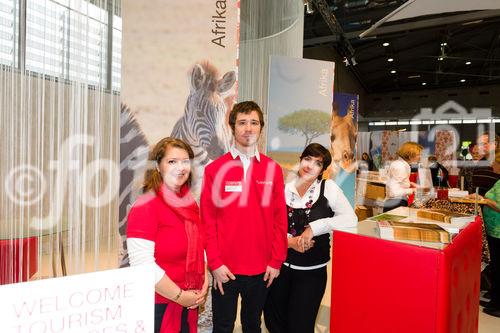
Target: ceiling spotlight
pixel 463 80
pixel 444 44
pixel 393 72
pixel 468 62
pixel 385 44
pixel 440 58
pixel 424 83
pixel 390 60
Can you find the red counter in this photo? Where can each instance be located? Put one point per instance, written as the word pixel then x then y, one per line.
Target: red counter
pixel 386 286
pixel 18 259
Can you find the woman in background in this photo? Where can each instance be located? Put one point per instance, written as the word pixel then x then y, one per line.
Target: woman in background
pixel 366 163
pixel 164 229
pixel 315 207
pixel 491 214
pixel 398 186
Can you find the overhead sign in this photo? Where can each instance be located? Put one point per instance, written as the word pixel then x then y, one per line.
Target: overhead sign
pixel 120 300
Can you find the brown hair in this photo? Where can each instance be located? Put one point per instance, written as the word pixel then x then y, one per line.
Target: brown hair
pixel 246 108
pixel 317 150
pixel 152 176
pixel 409 150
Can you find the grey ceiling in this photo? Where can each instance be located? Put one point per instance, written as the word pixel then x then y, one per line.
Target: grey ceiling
pixel 415 45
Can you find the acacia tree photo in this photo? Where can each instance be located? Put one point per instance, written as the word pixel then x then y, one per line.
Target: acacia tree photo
pixel 307 122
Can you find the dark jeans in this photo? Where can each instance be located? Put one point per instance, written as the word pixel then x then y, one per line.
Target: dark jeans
pixel 294 300
pixel 160 311
pixel 390 204
pixel 494 245
pixel 253 293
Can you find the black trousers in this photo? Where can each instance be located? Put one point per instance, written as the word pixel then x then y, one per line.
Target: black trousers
pixel 253 293
pixel 160 309
pixel 494 245
pixel 294 300
pixel 390 204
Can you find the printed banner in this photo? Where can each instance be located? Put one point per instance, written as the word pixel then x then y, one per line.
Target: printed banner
pixel 300 108
pixel 344 129
pixel 120 300
pixel 179 78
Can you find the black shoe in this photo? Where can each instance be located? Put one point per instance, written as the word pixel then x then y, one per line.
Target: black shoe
pixel 484 304
pixel 495 312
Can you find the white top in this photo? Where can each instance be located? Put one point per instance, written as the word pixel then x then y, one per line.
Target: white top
pixel 344 213
pixel 141 251
pixel 398 180
pixel 245 160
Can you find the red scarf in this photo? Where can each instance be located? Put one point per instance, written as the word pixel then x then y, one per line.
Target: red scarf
pixel 186 209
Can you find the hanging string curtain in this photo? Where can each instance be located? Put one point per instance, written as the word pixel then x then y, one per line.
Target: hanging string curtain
pixel 59 119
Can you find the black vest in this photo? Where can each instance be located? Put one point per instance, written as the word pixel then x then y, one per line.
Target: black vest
pixel 320 252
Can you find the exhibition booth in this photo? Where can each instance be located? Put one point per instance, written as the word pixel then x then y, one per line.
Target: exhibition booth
pixel 88 87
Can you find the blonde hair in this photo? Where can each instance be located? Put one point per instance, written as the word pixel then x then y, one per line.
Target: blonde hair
pixel 409 150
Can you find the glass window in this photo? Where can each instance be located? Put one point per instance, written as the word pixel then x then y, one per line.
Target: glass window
pixel 9 34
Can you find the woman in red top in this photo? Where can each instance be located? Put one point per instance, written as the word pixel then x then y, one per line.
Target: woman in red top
pixel 164 229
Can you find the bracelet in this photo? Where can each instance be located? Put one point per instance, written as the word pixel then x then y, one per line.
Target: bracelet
pixel 178 295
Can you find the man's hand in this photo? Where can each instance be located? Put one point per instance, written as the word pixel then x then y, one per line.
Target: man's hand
pixel 222 275
pixel 271 274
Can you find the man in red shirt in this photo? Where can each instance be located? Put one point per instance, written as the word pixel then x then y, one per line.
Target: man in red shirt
pixel 244 214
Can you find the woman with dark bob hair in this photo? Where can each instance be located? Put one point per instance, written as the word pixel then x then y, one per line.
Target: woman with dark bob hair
pixel 164 228
pixel 315 207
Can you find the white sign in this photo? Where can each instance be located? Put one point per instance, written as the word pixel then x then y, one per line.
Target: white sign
pixel 119 300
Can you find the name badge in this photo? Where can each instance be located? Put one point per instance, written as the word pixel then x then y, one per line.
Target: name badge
pixel 233 187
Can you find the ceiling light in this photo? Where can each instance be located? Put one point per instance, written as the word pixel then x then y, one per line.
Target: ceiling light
pixel 393 72
pixel 379 123
pixel 391 123
pixel 468 63
pixel 469 121
pixel 440 58
pixel 385 44
pixel 472 22
pixel 390 59
pixel 414 76
pixel 444 44
pixel 455 121
pixel 309 8
pixel 463 80
pixel 424 83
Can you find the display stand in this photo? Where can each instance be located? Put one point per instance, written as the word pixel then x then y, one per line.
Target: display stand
pixel 387 286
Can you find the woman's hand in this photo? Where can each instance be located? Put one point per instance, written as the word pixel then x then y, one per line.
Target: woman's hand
pixel 188 299
pixel 202 294
pixel 298 244
pixel 307 237
pixel 293 243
